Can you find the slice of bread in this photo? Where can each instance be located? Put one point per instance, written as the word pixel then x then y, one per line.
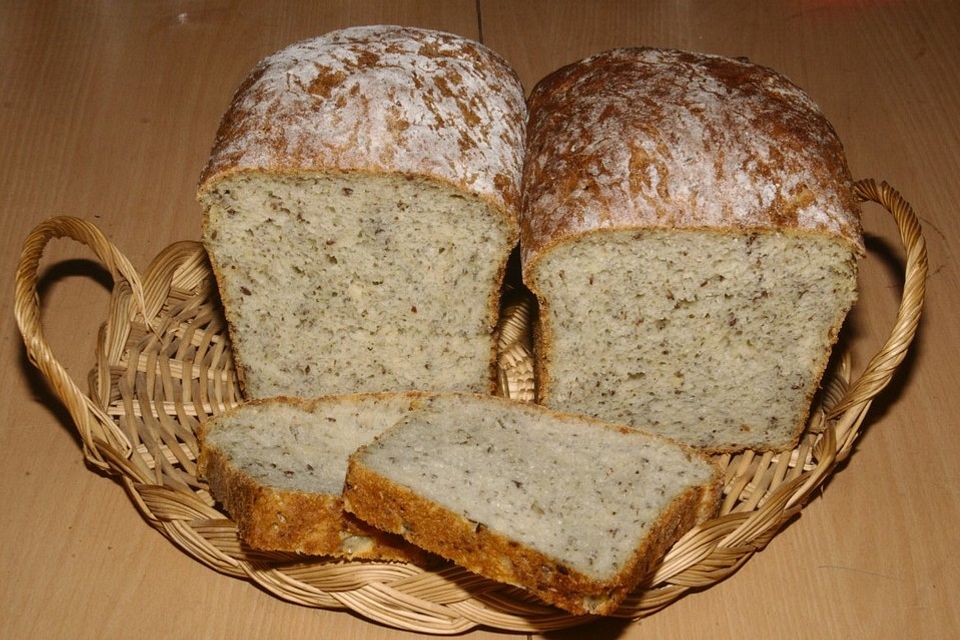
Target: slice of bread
pixel 574 510
pixel 278 466
pixel 361 204
pixel 690 230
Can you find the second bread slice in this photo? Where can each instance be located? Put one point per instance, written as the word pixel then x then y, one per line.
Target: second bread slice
pixel 571 509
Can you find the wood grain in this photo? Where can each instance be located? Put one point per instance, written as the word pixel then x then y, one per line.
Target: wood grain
pixel 108 110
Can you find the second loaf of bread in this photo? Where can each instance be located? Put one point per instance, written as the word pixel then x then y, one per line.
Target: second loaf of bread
pixel 690 230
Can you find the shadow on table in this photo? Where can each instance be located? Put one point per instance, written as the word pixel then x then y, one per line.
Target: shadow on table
pixel 40 388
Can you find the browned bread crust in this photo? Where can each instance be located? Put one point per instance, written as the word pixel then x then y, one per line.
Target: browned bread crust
pixel 380 99
pixel 651 138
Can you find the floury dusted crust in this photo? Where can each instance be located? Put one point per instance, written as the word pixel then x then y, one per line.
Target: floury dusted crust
pixel 670 139
pixel 361 205
pixel 690 230
pixel 380 99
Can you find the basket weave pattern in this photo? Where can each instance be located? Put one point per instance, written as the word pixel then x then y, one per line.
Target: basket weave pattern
pixel 164 365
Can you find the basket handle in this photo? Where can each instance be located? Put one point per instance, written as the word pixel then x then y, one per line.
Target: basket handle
pixel 882 366
pixel 92 423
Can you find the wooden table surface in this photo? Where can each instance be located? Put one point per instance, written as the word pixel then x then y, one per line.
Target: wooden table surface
pixel 108 110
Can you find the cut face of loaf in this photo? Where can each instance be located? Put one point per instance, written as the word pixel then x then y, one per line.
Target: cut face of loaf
pixel 690 230
pixel 714 339
pixel 355 282
pixel 278 466
pixel 574 510
pixel 361 203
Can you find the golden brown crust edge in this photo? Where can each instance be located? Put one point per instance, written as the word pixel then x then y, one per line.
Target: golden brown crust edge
pixel 297 522
pixel 659 138
pixel 469 111
pixel 397 509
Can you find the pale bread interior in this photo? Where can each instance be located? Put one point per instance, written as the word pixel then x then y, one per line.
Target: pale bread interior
pixel 302 446
pixel 342 283
pixel 715 339
pixel 582 493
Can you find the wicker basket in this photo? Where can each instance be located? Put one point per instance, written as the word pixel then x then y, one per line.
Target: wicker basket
pixel 163 366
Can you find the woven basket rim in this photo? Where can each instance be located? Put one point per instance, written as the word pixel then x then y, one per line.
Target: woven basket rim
pixel 163 366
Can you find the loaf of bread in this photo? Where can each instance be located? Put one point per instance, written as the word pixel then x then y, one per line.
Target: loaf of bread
pixel 573 510
pixel 361 203
pixel 690 230
pixel 278 466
